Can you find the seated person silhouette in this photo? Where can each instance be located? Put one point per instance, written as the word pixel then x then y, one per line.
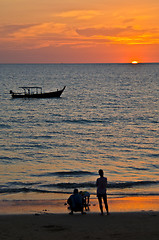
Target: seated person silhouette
pixel 75 202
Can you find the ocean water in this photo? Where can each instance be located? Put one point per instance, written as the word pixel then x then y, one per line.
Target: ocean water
pixel 107 117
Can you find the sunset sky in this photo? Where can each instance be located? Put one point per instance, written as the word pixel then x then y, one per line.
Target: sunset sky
pixel 85 31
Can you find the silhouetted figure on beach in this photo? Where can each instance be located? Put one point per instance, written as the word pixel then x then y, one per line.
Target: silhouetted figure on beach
pixel 75 202
pixel 101 191
pixel 85 199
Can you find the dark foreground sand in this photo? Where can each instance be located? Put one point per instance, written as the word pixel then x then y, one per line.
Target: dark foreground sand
pixel 136 226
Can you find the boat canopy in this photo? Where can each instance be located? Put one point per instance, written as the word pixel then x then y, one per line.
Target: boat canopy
pixel 32 90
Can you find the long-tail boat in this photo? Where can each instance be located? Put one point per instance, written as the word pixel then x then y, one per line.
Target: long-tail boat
pixel 36 92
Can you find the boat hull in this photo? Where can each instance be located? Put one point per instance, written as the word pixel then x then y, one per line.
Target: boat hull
pixel 56 94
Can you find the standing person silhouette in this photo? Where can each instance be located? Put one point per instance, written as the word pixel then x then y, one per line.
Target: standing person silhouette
pixel 101 191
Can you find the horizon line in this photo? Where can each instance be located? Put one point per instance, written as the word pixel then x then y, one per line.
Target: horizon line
pixel 80 63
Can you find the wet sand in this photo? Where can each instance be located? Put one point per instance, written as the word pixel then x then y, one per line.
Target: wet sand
pixel 126 204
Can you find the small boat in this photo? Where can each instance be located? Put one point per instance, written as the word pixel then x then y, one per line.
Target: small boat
pixel 36 92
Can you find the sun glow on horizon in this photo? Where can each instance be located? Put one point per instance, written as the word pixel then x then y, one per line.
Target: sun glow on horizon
pixel 134 62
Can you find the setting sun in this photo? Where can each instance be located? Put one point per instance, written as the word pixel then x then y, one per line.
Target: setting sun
pixel 134 62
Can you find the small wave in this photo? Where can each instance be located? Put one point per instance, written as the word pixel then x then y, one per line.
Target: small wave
pixel 93 185
pixel 155 166
pixel 131 184
pixel 74 173
pixel 5 126
pixel 154 121
pixel 86 121
pixel 71 185
pixel 10 160
pixel 19 190
pixel 65 174
pixel 30 190
pixel 19 183
pixel 153 155
pixel 139 169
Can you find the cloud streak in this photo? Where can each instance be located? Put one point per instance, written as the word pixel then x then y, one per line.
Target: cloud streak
pixel 8 30
pixel 111 31
pixel 80 14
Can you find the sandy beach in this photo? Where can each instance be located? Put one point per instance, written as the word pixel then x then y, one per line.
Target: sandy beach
pixel 131 218
pixel 139 225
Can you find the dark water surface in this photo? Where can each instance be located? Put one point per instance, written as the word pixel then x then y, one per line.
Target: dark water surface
pixel 107 117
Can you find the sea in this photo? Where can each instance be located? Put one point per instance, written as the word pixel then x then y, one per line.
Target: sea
pixel 107 118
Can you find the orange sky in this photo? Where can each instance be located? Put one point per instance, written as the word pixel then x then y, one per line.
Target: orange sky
pixel 69 31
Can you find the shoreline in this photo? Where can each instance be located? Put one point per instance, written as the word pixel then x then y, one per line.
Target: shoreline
pixel 116 205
